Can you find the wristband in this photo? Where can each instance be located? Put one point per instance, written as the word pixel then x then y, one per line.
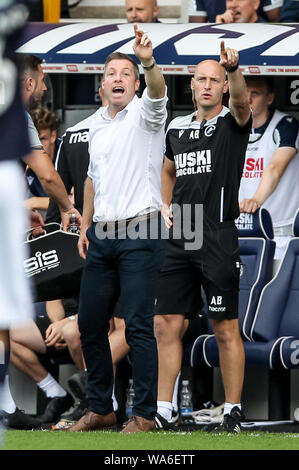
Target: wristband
pixel 232 69
pixel 149 67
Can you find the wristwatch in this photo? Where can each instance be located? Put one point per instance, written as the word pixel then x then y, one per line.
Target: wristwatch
pixel 149 67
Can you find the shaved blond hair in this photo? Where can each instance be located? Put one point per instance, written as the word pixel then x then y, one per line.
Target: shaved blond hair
pixel 212 62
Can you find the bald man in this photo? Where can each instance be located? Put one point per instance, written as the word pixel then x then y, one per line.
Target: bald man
pixel 205 154
pixel 240 11
pixel 142 11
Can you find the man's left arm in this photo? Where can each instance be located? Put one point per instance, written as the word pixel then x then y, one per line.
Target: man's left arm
pixel 238 101
pixel 269 180
pixel 285 136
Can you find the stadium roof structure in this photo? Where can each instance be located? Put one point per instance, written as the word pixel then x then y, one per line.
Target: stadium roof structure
pixel 264 48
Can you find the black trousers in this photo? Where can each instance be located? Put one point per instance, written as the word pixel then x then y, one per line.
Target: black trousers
pixel 128 268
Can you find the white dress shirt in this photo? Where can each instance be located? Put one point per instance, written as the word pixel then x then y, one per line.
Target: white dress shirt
pixel 126 157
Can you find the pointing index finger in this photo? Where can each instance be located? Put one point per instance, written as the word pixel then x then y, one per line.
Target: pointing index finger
pixel 222 47
pixel 137 32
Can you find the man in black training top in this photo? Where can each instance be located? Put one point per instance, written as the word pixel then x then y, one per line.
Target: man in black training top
pixel 201 175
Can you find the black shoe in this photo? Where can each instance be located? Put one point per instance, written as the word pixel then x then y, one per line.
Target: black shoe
pixel 55 407
pixel 162 423
pixel 77 412
pixel 78 384
pixel 121 416
pixel 231 422
pixel 19 420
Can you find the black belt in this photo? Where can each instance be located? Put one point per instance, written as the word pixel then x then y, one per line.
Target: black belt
pixel 125 222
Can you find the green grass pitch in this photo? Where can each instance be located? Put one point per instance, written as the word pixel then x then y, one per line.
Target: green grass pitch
pixel 109 440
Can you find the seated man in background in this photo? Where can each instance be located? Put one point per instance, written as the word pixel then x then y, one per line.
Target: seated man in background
pixel 45 123
pixel 54 329
pixel 290 11
pixel 201 11
pixel 240 11
pixel 271 171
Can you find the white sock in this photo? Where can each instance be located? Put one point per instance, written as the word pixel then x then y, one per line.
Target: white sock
pixel 229 406
pixel 51 387
pixel 175 393
pixel 7 402
pixel 164 409
pixel 115 402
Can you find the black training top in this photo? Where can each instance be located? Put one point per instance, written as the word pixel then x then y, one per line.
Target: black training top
pixel 72 164
pixel 209 159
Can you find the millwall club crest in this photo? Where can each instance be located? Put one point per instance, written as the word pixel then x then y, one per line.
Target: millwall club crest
pixel 209 130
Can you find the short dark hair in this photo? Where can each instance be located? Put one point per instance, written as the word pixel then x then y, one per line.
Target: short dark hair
pixel 266 79
pixel 28 64
pixel 121 56
pixel 43 119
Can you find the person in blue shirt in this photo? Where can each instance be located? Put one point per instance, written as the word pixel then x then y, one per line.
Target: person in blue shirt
pixel 201 11
pixel 290 11
pixel 240 11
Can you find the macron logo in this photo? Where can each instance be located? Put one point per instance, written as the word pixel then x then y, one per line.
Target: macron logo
pixel 79 137
pixel 181 132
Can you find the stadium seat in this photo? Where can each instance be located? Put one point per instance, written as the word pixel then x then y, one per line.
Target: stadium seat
pixel 289 325
pixel 273 337
pixel 276 322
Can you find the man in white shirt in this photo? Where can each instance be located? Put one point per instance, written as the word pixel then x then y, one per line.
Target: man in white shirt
pixel 123 188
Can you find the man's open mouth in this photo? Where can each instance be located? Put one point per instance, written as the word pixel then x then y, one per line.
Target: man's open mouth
pixel 118 90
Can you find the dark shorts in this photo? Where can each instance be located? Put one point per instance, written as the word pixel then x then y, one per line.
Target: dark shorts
pixel 42 322
pixel 215 268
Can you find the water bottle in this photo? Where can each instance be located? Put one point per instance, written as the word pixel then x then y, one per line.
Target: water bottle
pixel 73 227
pixel 186 404
pixel 130 399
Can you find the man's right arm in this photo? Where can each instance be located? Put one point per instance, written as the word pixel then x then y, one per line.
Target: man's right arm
pixel 39 161
pixel 87 216
pixel 168 182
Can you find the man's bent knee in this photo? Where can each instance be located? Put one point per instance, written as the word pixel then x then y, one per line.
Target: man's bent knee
pixel 168 328
pixel 226 330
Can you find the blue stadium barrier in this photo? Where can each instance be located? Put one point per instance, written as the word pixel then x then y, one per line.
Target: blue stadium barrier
pixel 288 275
pixel 272 340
